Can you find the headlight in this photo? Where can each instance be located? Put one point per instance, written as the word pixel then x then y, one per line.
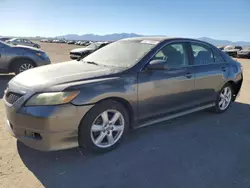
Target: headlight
pixel 52 98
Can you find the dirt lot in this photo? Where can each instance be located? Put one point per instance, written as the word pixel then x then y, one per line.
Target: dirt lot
pixel 201 150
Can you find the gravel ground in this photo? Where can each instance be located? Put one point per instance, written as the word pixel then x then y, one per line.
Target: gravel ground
pixel 201 150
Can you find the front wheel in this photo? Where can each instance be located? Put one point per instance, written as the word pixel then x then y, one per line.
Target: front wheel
pixel 22 66
pixel 104 127
pixel 224 99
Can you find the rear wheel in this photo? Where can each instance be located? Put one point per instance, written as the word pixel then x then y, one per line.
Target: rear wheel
pixel 104 127
pixel 224 99
pixel 22 65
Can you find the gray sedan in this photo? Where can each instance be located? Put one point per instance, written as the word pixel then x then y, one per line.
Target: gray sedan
pixel 130 83
pixel 20 58
pixel 23 42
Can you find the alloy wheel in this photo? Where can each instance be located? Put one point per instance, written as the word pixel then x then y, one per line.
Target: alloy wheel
pixel 107 128
pixel 25 67
pixel 225 98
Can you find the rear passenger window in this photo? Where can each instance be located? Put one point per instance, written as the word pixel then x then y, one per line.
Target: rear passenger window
pixel 218 58
pixel 174 54
pixel 202 54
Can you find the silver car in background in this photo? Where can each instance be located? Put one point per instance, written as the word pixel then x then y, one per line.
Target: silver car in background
pixel 23 42
pixel 20 58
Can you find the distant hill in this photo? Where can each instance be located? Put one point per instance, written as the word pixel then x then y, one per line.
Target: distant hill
pixel 118 36
pixel 224 42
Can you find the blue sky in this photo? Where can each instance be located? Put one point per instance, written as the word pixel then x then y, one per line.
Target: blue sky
pixel 219 19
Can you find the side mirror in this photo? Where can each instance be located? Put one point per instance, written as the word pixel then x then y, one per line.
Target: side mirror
pixel 157 65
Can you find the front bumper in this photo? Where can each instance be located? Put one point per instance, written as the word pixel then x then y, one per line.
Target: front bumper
pixel 73 56
pixel 46 128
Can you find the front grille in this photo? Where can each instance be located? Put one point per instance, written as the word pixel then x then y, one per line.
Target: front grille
pixel 11 97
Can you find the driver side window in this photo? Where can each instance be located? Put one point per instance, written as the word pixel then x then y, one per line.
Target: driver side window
pixel 175 55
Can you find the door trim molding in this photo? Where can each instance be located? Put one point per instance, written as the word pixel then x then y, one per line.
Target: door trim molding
pixel 175 115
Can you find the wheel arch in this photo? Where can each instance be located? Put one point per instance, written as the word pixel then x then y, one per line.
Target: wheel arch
pixel 12 61
pixel 122 101
pixel 235 86
pixel 127 106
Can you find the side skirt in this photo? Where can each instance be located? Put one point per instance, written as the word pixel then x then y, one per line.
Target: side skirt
pixel 172 116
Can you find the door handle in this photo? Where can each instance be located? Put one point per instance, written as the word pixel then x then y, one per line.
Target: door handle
pixel 224 69
pixel 189 75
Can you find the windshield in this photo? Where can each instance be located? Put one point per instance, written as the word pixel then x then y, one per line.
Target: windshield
pixel 3 43
pixel 229 47
pixel 120 53
pixel 12 39
pixel 94 45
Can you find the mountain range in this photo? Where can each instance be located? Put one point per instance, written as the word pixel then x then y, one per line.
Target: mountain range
pixel 118 36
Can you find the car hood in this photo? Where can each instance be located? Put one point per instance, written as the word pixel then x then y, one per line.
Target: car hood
pixel 27 47
pixel 61 74
pixel 82 50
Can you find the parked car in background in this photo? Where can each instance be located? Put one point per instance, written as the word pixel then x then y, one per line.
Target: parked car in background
pixel 221 47
pixel 232 50
pixel 84 43
pixel 62 41
pixel 130 83
pixel 71 42
pixel 44 40
pixel 245 53
pixel 20 58
pixel 55 41
pixel 4 39
pixel 24 42
pixel 83 52
pixel 78 42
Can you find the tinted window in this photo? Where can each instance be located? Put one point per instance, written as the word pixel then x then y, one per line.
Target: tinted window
pixel 238 47
pixel 175 55
pixel 27 41
pixel 218 58
pixel 202 54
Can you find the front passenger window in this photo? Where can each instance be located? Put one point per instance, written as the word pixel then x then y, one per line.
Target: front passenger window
pixel 175 55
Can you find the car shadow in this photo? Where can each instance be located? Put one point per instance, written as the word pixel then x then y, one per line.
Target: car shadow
pixel 4 79
pixel 199 150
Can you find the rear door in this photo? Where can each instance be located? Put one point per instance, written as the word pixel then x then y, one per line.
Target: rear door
pixel 28 42
pixel 211 71
pixel 163 91
pixel 18 42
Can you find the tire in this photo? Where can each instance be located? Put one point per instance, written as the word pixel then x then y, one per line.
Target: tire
pixel 97 130
pixel 22 65
pixel 219 108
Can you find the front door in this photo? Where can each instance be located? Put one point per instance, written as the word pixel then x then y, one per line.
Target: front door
pixel 163 91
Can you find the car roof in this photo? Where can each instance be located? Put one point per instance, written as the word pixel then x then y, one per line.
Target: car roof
pixel 162 38
pixel 148 38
